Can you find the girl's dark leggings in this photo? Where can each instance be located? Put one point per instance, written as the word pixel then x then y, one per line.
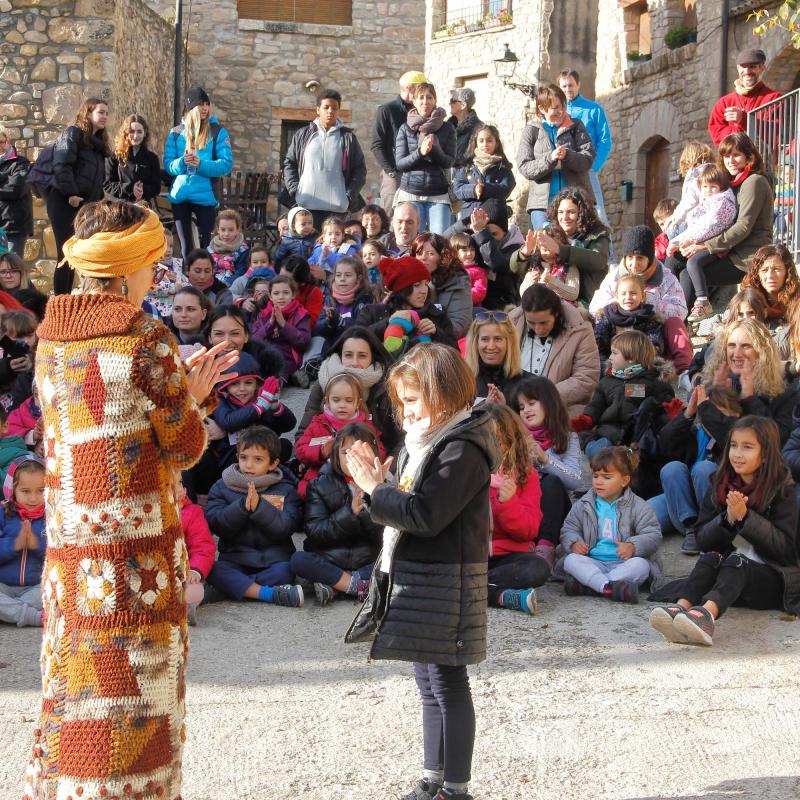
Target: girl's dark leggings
pixel 555 507
pixel 448 720
pixel 205 217
pixel 62 221
pixel 515 571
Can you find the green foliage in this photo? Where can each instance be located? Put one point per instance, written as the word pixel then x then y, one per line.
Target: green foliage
pixel 785 17
pixel 678 37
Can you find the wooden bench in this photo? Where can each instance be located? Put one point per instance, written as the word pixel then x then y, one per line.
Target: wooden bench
pixel 249 194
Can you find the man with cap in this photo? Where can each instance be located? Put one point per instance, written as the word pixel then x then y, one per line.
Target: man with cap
pixel 464 120
pixel 729 114
pixel 388 119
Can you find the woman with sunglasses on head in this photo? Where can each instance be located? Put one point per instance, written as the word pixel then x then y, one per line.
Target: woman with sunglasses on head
pixel 493 354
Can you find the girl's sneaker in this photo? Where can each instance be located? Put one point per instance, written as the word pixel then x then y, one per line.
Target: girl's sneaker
pixel 624 591
pixel 324 593
pixel 449 794
pixel 520 600
pixel 700 311
pixel 662 618
pixel 424 790
pixel 697 625
pixel 574 588
pixel 287 595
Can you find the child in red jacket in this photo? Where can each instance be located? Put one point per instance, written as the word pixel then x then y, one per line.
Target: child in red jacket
pixel 343 403
pixel 516 502
pixel 200 545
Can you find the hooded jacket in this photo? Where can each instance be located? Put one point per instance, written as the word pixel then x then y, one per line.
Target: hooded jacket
pixel 16 203
pixel 79 165
pixel 11 447
pixel 455 298
pixel 431 606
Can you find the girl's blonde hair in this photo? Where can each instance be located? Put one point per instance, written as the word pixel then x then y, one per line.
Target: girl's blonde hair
pixel 353 383
pixel 197 129
pixel 767 369
pixel 328 222
pixel 693 155
pixel 635 346
pixel 441 377
pixel 512 363
pixel 514 442
pixel 229 213
pixel 631 278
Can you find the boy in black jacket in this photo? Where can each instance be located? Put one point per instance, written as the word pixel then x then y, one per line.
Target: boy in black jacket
pixel 254 509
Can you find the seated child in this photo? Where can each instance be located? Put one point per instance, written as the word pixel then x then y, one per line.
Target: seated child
pixel 309 294
pixel 331 246
pixel 12 446
pixel 343 403
pixel 13 273
pixel 468 254
pixel 258 267
pixel 353 229
pixel 254 510
pixel 299 239
pixel 228 249
pixel 372 251
pixel 611 535
pixel 632 377
pixel 22 542
pixel 342 541
pixel 694 158
pixel 715 213
pixel 17 353
pixel 545 266
pixel 255 296
pixel 169 278
pixel 515 500
pixel 747 531
pixel 282 227
pixel 200 274
pixel 661 213
pixel 200 545
pixel 628 312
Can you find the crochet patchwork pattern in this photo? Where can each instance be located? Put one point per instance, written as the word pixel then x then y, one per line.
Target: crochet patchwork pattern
pixel 118 422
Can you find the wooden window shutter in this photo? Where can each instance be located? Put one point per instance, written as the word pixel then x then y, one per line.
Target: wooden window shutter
pixel 320 12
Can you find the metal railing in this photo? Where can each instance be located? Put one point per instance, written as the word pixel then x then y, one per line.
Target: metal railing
pixel 774 129
pixel 475 15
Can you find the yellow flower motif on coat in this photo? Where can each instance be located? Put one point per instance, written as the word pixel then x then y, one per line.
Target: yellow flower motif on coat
pixel 181 572
pixel 96 580
pixel 148 580
pixel 54 589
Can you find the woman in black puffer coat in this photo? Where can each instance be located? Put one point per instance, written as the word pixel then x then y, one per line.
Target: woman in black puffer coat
pixel 428 594
pixel 79 169
pixel 133 172
pixel 16 208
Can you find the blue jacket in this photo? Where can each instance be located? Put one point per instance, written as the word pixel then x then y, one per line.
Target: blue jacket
pixel 197 188
pixel 594 119
pixel 330 260
pixel 258 538
pixel 498 181
pixel 20 567
pixel 294 245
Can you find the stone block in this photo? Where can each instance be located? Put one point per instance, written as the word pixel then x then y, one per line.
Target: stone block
pixel 32 249
pixel 5 6
pixel 15 37
pixel 13 111
pixel 99 67
pixel 40 24
pixel 36 3
pixel 69 58
pixel 49 239
pixel 61 103
pixel 29 49
pixel 20 97
pixel 10 75
pixel 80 31
pixel 39 209
pixel 36 37
pixel 75 75
pixel 94 8
pixel 45 70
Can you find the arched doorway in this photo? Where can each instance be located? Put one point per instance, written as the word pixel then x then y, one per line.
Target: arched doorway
pixel 783 72
pixel 656 176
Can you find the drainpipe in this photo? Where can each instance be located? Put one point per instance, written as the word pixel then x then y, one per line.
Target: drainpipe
pixel 723 69
pixel 176 104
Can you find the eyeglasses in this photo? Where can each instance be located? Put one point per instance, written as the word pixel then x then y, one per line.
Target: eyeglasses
pixel 489 316
pixel 8 272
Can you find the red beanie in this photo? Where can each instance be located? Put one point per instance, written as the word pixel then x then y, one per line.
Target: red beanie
pixel 400 273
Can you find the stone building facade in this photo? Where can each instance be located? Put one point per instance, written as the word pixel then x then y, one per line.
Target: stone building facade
pixel 656 106
pixel 545 35
pixel 56 53
pixel 263 74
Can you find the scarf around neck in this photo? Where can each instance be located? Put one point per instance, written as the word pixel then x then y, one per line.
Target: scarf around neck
pixel 287 311
pixel 224 248
pixel 425 125
pixel 344 298
pixel 631 371
pixel 744 90
pixel 625 319
pixel 541 435
pixel 742 176
pixel 484 161
pixel 29 515
pixel 752 491
pixel 332 365
pixel 336 423
pixel 235 479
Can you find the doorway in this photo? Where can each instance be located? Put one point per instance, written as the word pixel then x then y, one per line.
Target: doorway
pixel 657 171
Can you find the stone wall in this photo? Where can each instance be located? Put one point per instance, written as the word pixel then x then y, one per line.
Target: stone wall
pixel 255 71
pixel 56 53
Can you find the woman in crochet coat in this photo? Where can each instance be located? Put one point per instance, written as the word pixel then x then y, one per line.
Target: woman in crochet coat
pixel 121 415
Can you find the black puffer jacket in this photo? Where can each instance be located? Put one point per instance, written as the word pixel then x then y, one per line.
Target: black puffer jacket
pixel 464 131
pixel 16 208
pixel 388 119
pixel 431 607
pixel 773 534
pixel 333 530
pixel 144 166
pixel 425 175
pixel 79 168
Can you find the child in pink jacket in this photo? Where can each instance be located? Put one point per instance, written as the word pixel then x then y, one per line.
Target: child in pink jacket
pixel 465 250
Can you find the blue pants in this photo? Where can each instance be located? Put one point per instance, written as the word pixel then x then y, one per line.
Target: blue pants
pixel 598 444
pixel 684 490
pixel 434 217
pixel 317 568
pixel 594 181
pixel 234 579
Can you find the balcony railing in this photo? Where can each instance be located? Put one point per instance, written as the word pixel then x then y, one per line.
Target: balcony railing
pixel 470 17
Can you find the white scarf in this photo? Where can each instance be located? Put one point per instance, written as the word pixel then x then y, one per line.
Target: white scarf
pixel 332 365
pixel 419 440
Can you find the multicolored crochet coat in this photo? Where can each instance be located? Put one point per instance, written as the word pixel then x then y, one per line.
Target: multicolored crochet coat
pixel 118 421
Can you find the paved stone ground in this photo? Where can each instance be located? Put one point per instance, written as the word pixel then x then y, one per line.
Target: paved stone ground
pixel 583 702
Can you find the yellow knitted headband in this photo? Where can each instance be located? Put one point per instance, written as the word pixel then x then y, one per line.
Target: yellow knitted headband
pixel 114 254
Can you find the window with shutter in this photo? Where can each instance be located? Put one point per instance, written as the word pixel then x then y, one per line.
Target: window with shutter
pixel 320 12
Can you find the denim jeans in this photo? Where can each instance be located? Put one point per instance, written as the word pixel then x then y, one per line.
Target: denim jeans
pixel 538 218
pixel 316 568
pixel 684 490
pixel 434 217
pixel 234 579
pixel 594 181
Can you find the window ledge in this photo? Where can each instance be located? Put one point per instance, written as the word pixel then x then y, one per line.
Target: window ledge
pixel 481 32
pixel 306 28
pixel 660 62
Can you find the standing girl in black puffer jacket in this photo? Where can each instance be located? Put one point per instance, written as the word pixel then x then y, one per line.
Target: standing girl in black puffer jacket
pixel 427 598
pixel 79 169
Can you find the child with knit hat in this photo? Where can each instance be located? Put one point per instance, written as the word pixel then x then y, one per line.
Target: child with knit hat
pixel 22 542
pixel 300 239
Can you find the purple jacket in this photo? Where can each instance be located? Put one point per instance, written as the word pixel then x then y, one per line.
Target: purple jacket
pixel 292 339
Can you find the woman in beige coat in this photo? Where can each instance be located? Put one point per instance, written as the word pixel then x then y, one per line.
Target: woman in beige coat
pixel 559 344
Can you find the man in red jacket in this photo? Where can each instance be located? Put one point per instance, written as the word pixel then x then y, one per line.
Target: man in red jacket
pixel 729 114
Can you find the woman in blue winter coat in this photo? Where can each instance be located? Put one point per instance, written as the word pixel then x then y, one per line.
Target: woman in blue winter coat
pixel 198 153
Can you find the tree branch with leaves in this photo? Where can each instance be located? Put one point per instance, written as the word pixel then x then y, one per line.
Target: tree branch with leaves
pixel 785 17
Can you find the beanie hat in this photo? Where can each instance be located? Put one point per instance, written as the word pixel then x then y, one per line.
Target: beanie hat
pixel 400 273
pixel 194 96
pixel 639 241
pixel 8 483
pixel 498 212
pixel 751 55
pixel 412 78
pixel 292 214
pixel 245 367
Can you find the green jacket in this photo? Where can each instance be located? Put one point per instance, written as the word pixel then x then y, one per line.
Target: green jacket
pixel 11 447
pixel 753 226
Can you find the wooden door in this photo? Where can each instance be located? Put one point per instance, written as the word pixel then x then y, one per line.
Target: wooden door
pixel 657 169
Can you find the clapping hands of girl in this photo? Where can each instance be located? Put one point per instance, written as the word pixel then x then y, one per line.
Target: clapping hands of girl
pixel 365 467
pixel 737 507
pixel 494 395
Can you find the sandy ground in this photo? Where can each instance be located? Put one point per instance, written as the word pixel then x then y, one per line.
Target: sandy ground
pixel 582 702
